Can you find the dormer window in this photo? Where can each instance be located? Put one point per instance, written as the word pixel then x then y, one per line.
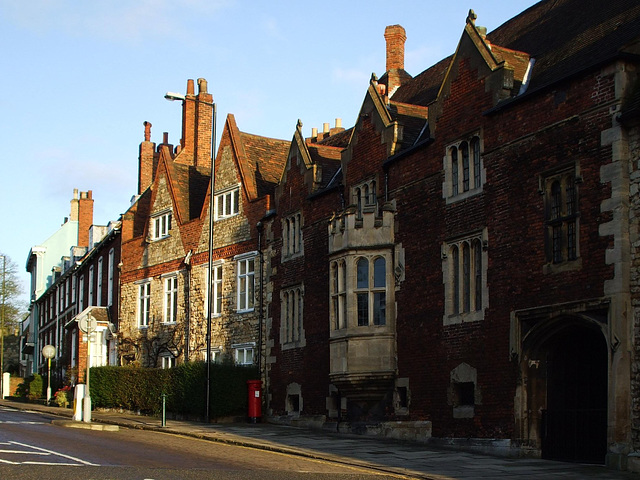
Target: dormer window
pixel 227 203
pixel 160 225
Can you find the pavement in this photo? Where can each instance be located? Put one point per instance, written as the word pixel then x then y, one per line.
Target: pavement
pixel 388 456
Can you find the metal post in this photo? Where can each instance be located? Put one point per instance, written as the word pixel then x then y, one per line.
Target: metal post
pixel 209 284
pixel 4 296
pixel 176 96
pixel 164 411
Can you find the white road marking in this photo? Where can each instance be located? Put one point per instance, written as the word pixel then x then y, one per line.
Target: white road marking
pixel 52 452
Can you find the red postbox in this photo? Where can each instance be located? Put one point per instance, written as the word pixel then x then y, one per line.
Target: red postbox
pixel 255 400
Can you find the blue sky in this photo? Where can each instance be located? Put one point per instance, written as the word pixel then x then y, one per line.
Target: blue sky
pixel 79 79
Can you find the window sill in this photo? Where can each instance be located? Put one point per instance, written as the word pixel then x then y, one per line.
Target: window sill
pixel 464 195
pixel 568 266
pixel 466 317
pixel 249 310
pixel 216 219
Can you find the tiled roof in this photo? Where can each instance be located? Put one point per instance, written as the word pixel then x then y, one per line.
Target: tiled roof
pixel 189 185
pixel 265 159
pixel 563 37
pixel 328 158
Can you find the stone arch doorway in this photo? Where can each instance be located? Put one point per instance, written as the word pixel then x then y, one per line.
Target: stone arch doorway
pixel 566 370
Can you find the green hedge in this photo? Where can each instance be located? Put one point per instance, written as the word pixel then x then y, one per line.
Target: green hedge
pixel 141 389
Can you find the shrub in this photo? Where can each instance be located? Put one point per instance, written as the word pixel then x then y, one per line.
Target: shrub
pixel 141 389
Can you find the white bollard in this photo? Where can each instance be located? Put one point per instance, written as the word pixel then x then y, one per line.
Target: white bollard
pixel 78 397
pixel 6 378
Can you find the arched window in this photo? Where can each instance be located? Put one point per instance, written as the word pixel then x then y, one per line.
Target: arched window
pixel 454 171
pixel 362 294
pixel 379 291
pixel 464 150
pixel 477 172
pixel 466 275
pixel 455 264
pixel 477 261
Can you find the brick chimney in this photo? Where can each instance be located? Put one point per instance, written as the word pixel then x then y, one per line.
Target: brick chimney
pixel 146 160
pixel 196 126
pixel 395 37
pixel 85 217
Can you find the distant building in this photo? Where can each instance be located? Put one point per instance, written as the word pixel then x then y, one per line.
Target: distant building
pixel 44 264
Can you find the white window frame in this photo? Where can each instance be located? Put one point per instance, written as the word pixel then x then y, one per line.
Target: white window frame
pixel 216 288
pixel 90 301
pixel 227 203
pixel 246 281
pixel 111 267
pixel 240 353
pixel 216 354
pixel 167 361
pixel 458 186
pixel 99 287
pixel 81 293
pixel 161 224
pixel 170 298
pixel 338 291
pixel 143 303
pixel 465 300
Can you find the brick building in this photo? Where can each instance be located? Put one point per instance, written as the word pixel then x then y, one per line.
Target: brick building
pixel 473 257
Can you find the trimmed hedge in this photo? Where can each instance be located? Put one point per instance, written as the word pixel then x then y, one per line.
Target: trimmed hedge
pixel 141 389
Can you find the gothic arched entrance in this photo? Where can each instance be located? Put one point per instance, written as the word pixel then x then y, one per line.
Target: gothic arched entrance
pixel 566 371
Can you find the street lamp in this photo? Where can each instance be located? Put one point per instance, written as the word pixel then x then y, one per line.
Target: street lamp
pixel 48 352
pixel 87 325
pixel 4 296
pixel 172 96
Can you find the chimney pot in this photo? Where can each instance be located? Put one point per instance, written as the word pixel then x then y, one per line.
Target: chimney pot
pixel 202 85
pixel 314 132
pixel 338 123
pixel 325 128
pixel 165 138
pixel 190 89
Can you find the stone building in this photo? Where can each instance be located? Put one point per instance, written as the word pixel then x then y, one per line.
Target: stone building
pixel 165 251
pixel 475 281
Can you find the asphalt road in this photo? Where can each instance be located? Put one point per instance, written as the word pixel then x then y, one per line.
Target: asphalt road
pixel 31 447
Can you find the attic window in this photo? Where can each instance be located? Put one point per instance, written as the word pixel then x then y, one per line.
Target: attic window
pixel 160 225
pixel 227 203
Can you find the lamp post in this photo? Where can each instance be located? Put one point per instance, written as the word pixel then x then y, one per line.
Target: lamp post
pixel 171 96
pixel 87 325
pixel 48 352
pixel 4 296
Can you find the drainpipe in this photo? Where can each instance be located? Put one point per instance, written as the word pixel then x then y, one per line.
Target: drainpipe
pixel 260 228
pixel 187 313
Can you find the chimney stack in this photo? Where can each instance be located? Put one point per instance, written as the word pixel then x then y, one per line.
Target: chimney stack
pixel 85 217
pixel 395 36
pixel 197 120
pixel 146 163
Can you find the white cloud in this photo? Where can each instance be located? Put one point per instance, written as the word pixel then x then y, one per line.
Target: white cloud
pixel 120 20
